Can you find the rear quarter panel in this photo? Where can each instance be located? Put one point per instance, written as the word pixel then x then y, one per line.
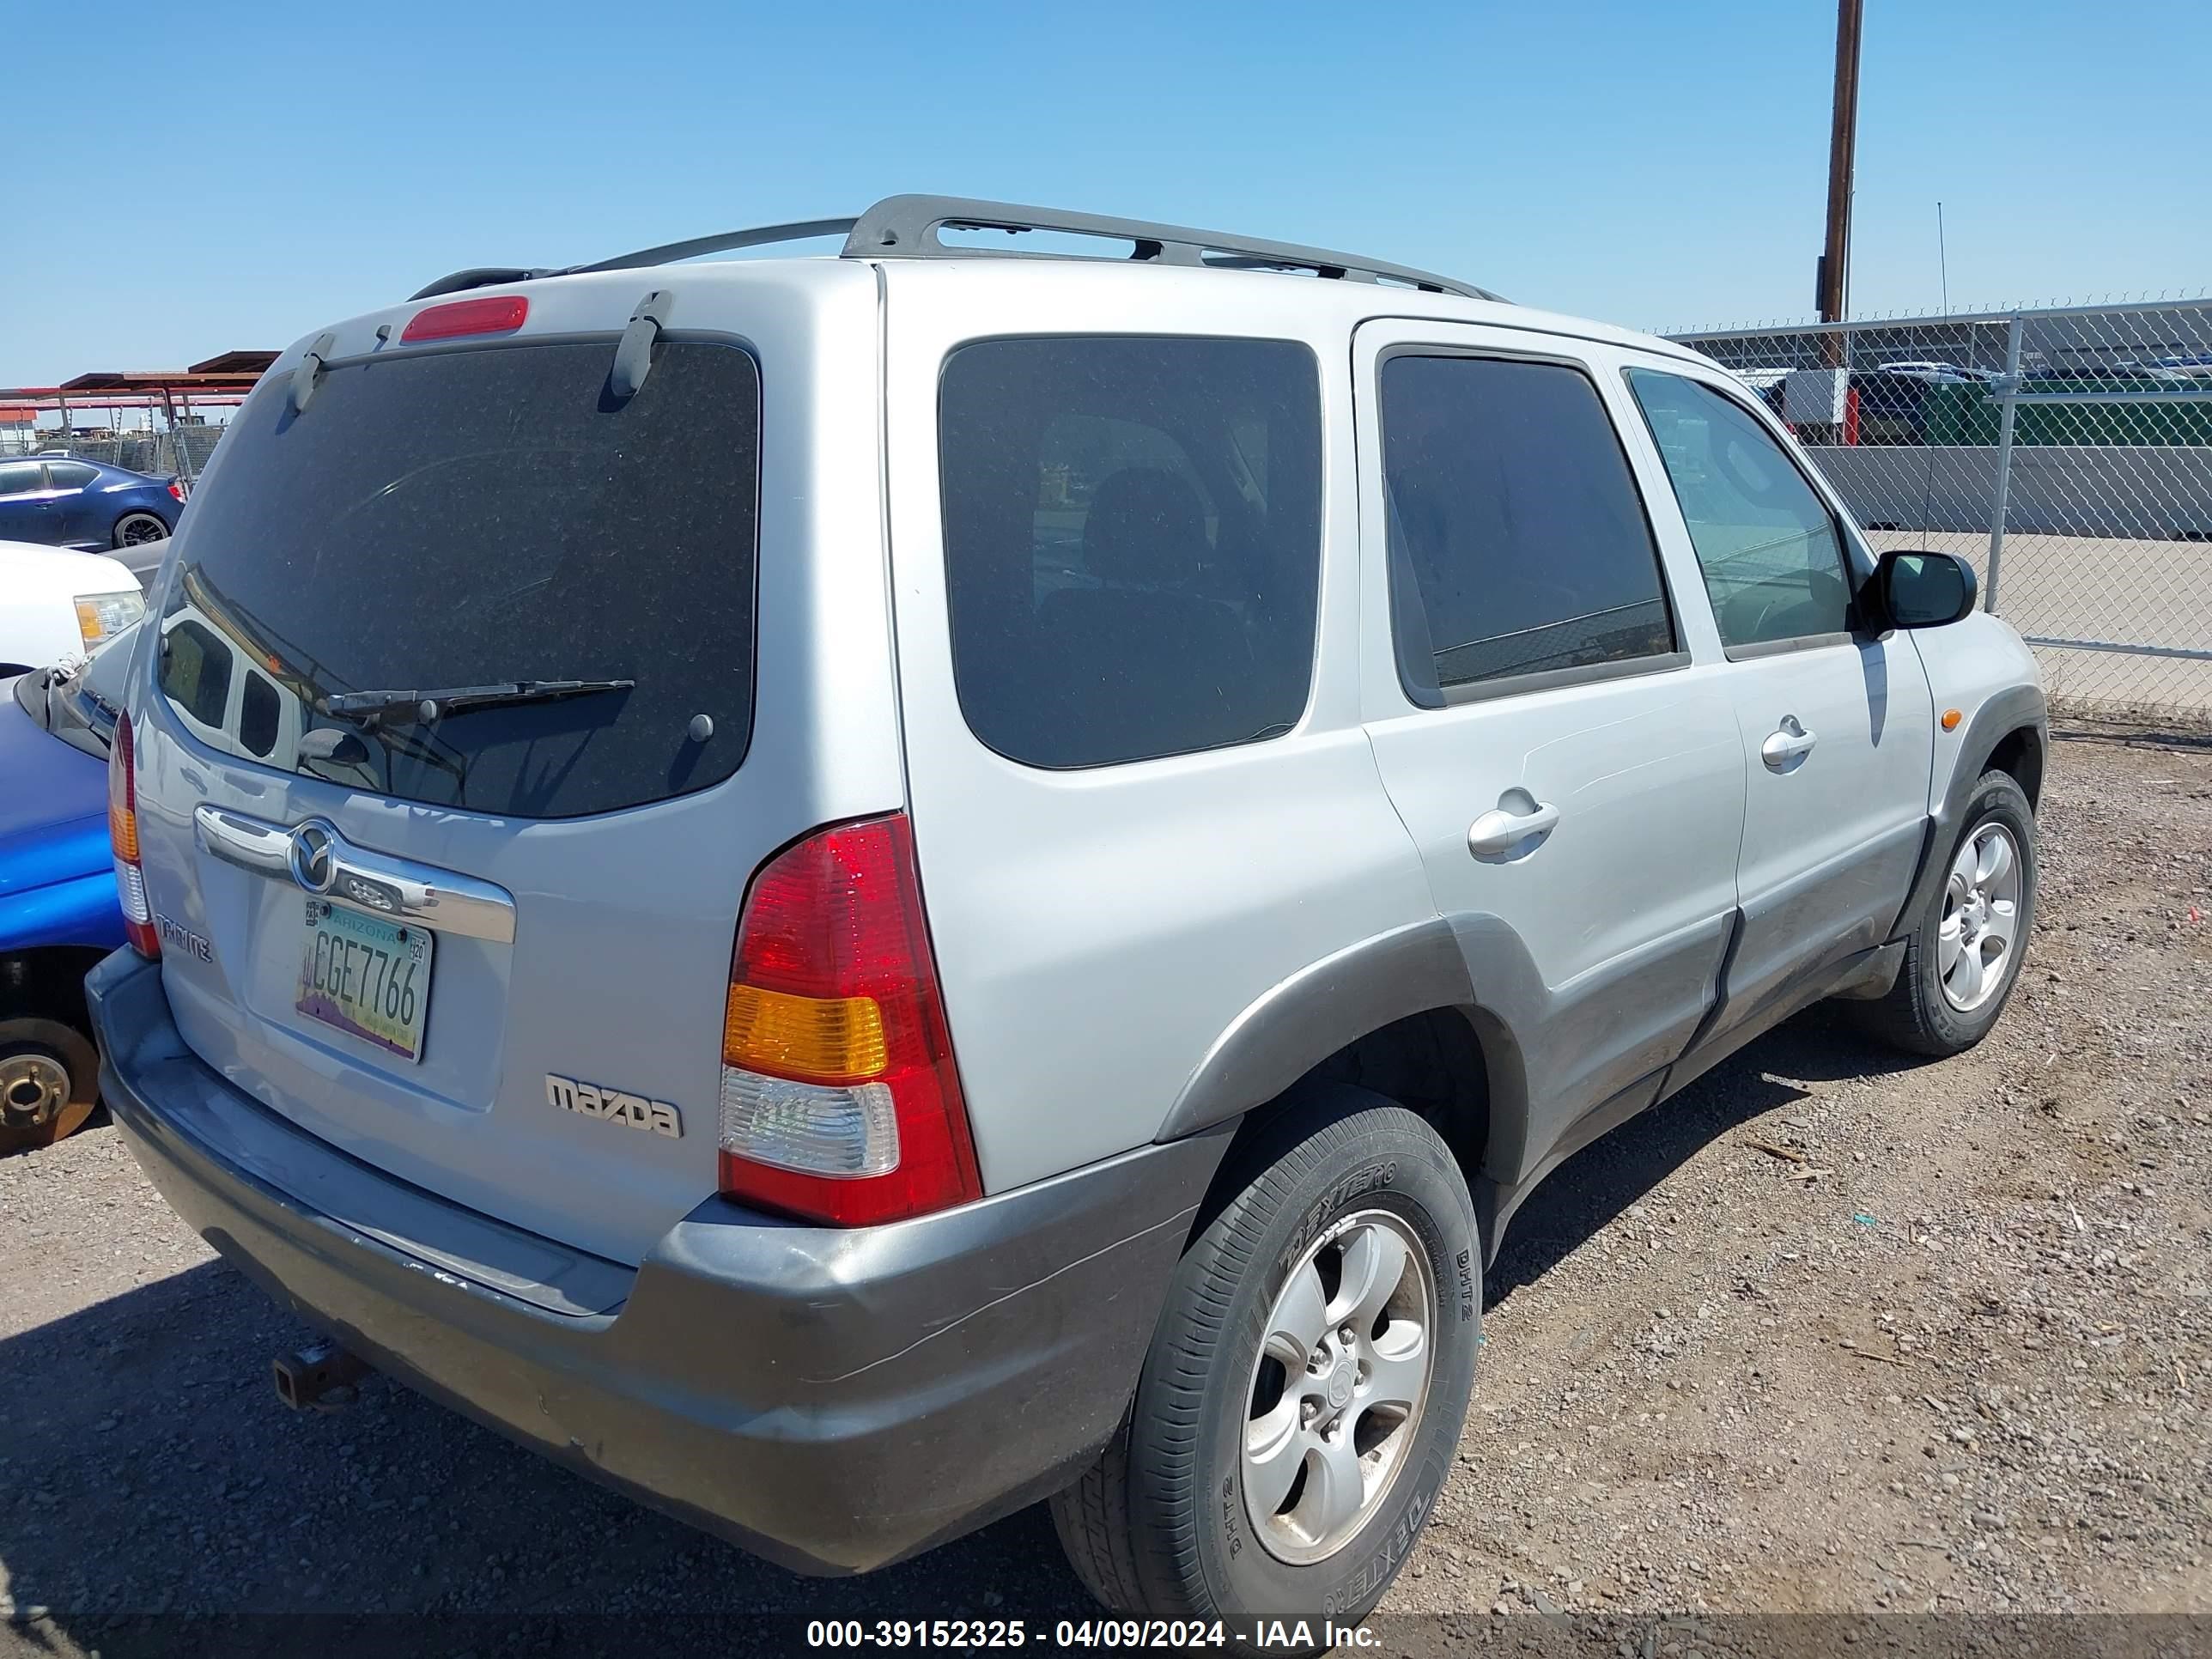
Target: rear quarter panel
pixel 1098 931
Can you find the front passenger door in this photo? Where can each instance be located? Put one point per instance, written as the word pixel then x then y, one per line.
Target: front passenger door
pixel 1838 732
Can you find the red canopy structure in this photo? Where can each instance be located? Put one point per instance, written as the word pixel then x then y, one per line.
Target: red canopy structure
pixel 221 381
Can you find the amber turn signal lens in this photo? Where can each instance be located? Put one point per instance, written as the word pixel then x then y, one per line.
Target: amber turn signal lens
pixel 1951 718
pixel 817 1039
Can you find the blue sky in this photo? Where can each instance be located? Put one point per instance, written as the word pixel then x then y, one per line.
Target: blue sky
pixel 1654 164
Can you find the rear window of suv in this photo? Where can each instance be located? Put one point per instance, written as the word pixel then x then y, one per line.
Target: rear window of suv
pixel 474 517
pixel 1131 542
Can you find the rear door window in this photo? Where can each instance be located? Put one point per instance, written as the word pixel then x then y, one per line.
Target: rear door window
pixel 1131 542
pixel 1518 542
pixel 476 518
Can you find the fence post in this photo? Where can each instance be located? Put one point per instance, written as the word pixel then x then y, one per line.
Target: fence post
pixel 2009 391
pixel 178 455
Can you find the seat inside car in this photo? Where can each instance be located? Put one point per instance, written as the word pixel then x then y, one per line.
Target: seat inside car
pixel 1146 631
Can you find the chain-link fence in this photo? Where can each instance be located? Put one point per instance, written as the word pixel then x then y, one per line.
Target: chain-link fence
pixel 2067 452
pixel 183 449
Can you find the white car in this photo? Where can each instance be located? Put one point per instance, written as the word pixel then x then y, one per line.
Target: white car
pixel 55 605
pixel 1940 373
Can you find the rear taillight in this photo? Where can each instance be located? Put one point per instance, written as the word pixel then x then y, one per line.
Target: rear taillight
pixel 123 835
pixel 840 1100
pixel 498 314
pixel 176 489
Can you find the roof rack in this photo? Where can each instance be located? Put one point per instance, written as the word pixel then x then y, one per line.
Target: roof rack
pixel 908 227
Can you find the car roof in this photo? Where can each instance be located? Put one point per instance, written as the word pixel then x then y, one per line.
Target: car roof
pixel 104 466
pixel 900 235
pixel 1125 294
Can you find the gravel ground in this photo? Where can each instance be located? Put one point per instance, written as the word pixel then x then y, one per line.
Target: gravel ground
pixel 1952 1351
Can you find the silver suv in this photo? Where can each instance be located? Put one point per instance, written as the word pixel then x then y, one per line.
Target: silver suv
pixel 849 892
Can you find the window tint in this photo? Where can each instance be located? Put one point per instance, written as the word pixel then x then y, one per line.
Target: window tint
pixel 21 478
pixel 1513 523
pixel 258 711
pixel 71 475
pixel 1133 541
pixel 195 672
pixel 1767 542
pixel 474 517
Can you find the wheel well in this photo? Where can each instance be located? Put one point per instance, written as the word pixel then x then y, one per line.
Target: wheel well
pixel 1431 1063
pixel 2020 753
pixel 48 983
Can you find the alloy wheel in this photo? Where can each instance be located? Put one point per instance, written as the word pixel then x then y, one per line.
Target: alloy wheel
pixel 1338 1390
pixel 1979 934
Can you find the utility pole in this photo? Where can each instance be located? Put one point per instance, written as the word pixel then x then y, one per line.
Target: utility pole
pixel 1843 134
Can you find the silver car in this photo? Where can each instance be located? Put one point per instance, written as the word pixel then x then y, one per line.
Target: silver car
pixel 851 893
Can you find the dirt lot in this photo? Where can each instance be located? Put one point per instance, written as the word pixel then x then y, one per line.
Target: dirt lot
pixel 1958 1357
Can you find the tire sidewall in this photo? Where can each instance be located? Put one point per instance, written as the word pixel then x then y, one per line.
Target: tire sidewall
pixel 1398 1165
pixel 1996 799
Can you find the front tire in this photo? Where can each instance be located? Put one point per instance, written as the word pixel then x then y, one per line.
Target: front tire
pixel 1300 1408
pixel 1963 956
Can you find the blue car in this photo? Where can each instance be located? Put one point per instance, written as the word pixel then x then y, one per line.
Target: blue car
pixel 64 501
pixel 59 910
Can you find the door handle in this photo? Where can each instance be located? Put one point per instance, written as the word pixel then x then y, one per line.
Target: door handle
pixel 1501 832
pixel 1783 749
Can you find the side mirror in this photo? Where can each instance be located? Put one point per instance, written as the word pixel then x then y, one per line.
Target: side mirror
pixel 1915 589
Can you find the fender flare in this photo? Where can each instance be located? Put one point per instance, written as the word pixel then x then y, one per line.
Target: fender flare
pixel 1414 969
pixel 2001 714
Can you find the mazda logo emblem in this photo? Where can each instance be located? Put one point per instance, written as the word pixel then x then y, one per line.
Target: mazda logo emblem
pixel 312 856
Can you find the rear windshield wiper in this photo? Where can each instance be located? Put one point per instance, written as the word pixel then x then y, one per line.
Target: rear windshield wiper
pixel 425 707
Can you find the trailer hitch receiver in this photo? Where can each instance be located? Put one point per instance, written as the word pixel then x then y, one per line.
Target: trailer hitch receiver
pixel 320 1377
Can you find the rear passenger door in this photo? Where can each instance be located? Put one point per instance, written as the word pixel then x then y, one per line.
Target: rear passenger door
pixel 76 508
pixel 1838 730
pixel 1561 745
pixel 26 514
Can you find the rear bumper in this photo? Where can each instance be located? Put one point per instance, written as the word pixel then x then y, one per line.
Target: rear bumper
pixel 832 1401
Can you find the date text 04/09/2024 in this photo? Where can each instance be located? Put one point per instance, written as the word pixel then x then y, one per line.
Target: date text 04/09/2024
pixel 1291 1635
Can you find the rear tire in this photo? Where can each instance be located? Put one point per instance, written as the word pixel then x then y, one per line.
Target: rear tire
pixel 1250 1481
pixel 49 1082
pixel 1962 957
pixel 137 529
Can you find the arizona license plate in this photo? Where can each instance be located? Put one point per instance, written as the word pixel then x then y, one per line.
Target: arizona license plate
pixel 367 977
